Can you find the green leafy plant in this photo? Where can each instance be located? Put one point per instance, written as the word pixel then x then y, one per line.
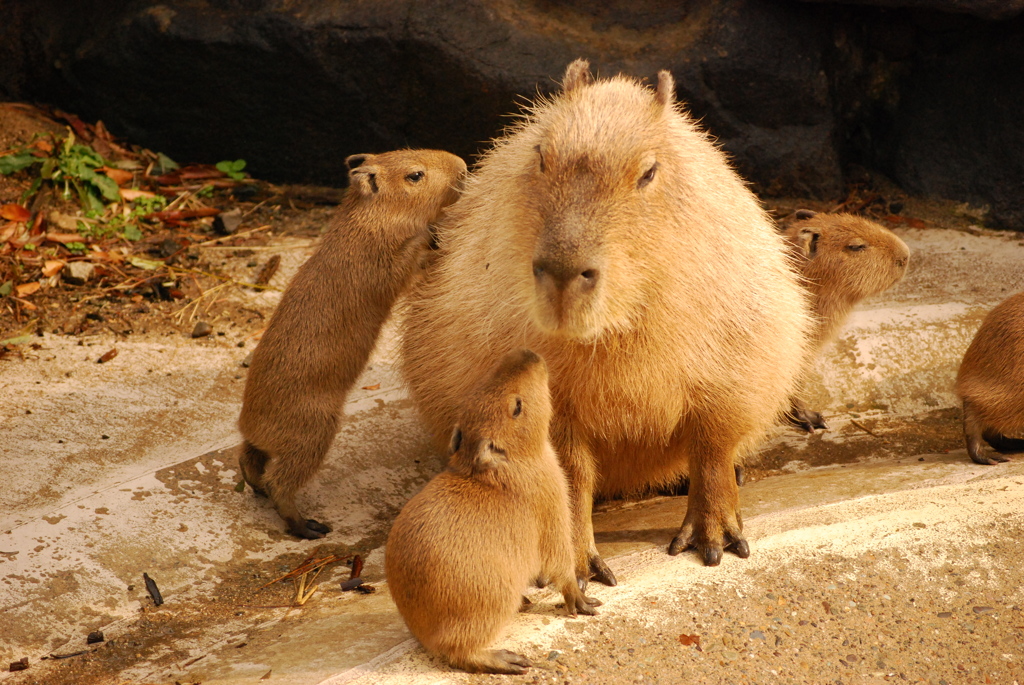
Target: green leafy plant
pixel 233 169
pixel 69 166
pixel 74 170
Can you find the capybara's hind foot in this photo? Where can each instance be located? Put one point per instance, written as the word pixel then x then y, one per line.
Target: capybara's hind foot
pixel 308 529
pixel 694 534
pixel 494 661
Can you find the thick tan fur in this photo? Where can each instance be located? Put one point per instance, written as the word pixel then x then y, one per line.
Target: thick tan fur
pixel 991 383
pixel 327 323
pixel 464 550
pixel 844 258
pixel 607 232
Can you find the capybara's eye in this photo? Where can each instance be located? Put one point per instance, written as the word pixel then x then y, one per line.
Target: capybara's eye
pixel 540 156
pixel 456 441
pixel 648 176
pixel 415 176
pixel 519 407
pixel 856 247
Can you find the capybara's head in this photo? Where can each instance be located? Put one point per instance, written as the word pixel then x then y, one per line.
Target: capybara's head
pixel 414 183
pixel 506 419
pixel 845 256
pixel 603 157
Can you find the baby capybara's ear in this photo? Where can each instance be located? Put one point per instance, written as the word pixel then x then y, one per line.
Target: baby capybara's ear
pixel 577 74
pixel 353 161
pixel 666 93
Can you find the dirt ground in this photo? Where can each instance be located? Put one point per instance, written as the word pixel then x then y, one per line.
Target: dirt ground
pixel 842 615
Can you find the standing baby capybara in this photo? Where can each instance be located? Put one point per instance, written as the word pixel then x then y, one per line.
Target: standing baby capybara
pixel 844 258
pixel 991 384
pixel 607 233
pixel 464 550
pixel 327 323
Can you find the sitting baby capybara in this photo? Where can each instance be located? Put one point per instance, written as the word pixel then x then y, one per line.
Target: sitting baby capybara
pixel 328 320
pixel 465 548
pixel 844 258
pixel 991 384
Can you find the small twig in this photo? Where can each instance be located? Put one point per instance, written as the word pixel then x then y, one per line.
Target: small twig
pixel 180 314
pixel 265 606
pixel 228 280
pixel 233 235
pixel 257 207
pixel 304 587
pixel 310 564
pixel 864 428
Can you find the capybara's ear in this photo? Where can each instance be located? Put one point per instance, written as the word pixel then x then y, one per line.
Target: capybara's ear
pixel 353 161
pixel 456 442
pixel 576 74
pixel 364 180
pixel 804 214
pixel 807 241
pixel 666 88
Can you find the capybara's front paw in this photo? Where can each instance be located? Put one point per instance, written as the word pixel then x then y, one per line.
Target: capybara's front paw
pixel 508 662
pixel 584 605
pixel 308 529
pixel 710 537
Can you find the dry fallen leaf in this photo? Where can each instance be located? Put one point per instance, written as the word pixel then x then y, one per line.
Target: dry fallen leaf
pixel 687 640
pixel 372 387
pixel 132 194
pixel 52 267
pixel 118 176
pixel 65 237
pixel 14 212
pixel 107 356
pixel 27 288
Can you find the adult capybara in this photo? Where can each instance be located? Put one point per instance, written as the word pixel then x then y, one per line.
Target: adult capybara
pixel 844 258
pixel 327 323
pixel 991 383
pixel 607 233
pixel 465 548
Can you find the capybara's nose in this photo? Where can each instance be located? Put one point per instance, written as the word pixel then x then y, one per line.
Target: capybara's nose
pixel 565 275
pixel 901 262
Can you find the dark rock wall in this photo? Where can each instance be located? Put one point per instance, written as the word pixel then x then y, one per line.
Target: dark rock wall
pixel 794 91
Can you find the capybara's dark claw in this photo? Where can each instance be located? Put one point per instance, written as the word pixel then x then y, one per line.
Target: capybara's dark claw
pixel 740 548
pixel 601 573
pixel 317 526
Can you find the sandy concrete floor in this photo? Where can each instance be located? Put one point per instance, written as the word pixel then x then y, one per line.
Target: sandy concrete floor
pixel 128 467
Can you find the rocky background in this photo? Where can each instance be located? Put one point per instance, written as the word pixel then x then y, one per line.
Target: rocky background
pixel 805 95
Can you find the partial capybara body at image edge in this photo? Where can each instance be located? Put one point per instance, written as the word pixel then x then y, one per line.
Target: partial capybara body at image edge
pixel 607 233
pixel 326 325
pixel 844 259
pixel 991 384
pixel 465 548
